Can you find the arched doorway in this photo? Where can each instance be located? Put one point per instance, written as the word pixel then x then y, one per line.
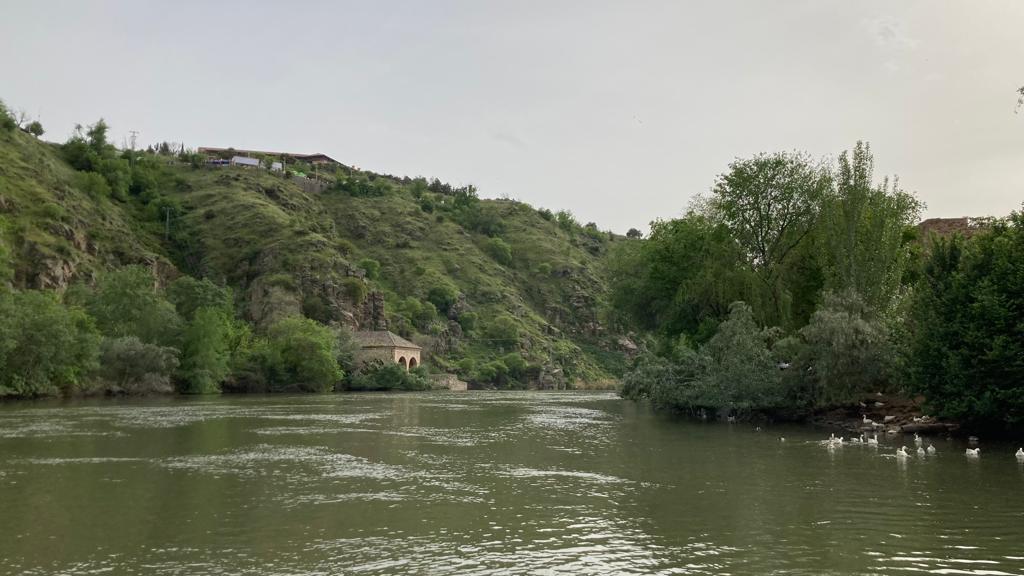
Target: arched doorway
pixel 401 362
pixel 412 363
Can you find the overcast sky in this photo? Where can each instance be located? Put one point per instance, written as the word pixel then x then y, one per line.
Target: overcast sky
pixel 617 111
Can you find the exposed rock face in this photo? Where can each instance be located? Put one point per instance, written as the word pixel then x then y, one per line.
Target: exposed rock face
pixel 448 382
pixel 371 317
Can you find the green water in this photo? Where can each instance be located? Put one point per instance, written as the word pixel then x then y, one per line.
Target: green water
pixel 480 483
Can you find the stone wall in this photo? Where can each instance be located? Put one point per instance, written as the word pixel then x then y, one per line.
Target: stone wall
pixel 448 382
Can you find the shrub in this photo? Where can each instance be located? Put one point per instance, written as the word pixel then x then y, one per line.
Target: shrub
pixel 354 289
pixel 129 365
pixel 371 267
pixel 443 296
pixel 188 295
pixel 206 354
pixel 503 330
pixel 302 356
pixel 126 302
pixel 500 250
pixel 389 377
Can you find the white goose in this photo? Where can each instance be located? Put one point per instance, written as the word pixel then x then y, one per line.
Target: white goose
pixel 867 421
pixel 920 452
pixel 917 439
pixel 931 450
pixel 873 440
pixel 902 452
pixel 1020 454
pixel 973 452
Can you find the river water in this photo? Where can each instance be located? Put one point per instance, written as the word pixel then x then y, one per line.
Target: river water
pixel 480 483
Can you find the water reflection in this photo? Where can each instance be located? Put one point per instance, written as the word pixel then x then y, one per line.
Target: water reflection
pixel 480 483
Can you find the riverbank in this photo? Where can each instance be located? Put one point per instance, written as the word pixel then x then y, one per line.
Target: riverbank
pixel 883 414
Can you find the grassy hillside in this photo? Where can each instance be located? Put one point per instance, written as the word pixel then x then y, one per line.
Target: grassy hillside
pixel 473 281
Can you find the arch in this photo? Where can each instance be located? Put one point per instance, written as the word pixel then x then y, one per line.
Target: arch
pixel 401 362
pixel 412 362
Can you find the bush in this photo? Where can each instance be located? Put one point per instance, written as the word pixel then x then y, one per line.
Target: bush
pixel 354 289
pixel 45 347
pixel 371 267
pixel 468 321
pixel 503 330
pixel 443 296
pixel 130 366
pixel 188 295
pixel 6 118
pixel 500 250
pixel 389 377
pixel 733 373
pixel 302 356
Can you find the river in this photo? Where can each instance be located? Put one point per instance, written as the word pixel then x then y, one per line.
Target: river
pixel 480 483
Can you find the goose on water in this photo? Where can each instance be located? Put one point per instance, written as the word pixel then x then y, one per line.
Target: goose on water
pixel 931 450
pixel 902 452
pixel 973 452
pixel 917 439
pixel 1020 454
pixel 873 440
pixel 920 452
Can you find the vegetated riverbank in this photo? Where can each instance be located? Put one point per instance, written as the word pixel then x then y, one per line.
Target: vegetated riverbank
pixel 157 270
pixel 797 286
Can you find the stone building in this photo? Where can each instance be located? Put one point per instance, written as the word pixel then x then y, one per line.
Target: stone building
pixel 386 346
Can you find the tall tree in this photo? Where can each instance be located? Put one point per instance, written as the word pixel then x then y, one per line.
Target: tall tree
pixel 864 230
pixel 770 204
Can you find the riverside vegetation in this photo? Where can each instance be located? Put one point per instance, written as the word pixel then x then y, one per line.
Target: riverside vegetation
pixel 796 285
pixel 793 285
pixel 128 271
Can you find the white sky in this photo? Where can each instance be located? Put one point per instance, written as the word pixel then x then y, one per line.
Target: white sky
pixel 618 111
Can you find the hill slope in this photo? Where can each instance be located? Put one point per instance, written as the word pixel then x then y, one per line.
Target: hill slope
pixel 471 280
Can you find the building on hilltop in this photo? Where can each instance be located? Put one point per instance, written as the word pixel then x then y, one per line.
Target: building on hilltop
pixel 317 159
pixel 944 227
pixel 386 346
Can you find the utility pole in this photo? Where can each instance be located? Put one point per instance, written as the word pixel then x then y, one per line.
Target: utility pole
pixel 134 133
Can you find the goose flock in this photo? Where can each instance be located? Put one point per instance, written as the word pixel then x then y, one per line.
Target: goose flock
pixel 834 441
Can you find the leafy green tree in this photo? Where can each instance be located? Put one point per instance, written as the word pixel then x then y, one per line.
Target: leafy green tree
pixel 129 365
pixel 354 289
pixel 206 352
pixel 680 280
pixel 967 350
pixel 864 231
pixel 35 128
pixel 7 121
pixel 46 348
pixel 303 355
pixel 126 302
pixel 634 234
pixel 770 204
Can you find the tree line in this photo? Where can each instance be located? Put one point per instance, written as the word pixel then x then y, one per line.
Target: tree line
pixel 796 284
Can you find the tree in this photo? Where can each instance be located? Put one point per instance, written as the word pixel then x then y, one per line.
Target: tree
pixel 303 356
pixel 189 294
pixel 46 348
pixel 635 234
pixel 35 128
pixel 389 377
pixel 770 203
pixel 503 330
pixel 863 231
pixel 129 365
pixel 844 351
pixel 967 349
pixel 126 302
pixel 206 352
pixel 679 280
pixel 443 296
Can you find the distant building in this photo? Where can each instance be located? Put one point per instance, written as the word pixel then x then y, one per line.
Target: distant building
pixel 945 227
pixel 245 161
pixel 315 159
pixel 386 346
